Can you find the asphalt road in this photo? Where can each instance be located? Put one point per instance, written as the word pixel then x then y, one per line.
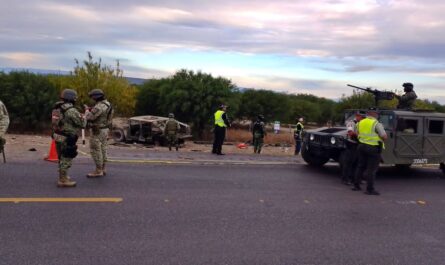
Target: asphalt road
pixel 220 214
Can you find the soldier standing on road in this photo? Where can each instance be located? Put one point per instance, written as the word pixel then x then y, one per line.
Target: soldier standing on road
pixel 258 131
pixel 4 123
pixel 298 133
pixel 407 100
pixel 371 135
pixel 171 131
pixel 66 122
pixel 4 119
pixel 349 162
pixel 221 123
pixel 99 119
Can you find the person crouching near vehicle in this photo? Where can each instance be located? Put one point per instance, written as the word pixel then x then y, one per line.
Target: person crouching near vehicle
pixel 66 122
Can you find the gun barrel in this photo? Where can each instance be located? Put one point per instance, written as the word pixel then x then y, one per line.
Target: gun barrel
pixel 366 89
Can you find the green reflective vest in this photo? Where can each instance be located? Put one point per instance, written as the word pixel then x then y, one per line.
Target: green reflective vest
pixel 219 119
pixel 366 132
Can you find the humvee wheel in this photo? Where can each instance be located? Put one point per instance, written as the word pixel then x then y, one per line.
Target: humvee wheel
pixel 118 135
pixel 442 167
pixel 311 159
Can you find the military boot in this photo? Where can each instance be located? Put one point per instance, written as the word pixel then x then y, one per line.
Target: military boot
pixel 103 170
pixel 65 181
pixel 96 173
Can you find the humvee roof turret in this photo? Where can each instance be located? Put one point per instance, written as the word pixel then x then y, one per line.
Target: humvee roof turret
pixel 414 137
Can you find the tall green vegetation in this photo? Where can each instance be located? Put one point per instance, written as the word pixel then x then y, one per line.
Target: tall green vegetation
pixel 192 97
pixel 29 99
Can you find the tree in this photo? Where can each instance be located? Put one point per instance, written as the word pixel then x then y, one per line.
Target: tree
pixel 91 74
pixel 29 99
pixel 192 97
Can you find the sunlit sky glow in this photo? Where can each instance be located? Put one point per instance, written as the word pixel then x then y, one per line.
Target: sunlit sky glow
pixel 292 46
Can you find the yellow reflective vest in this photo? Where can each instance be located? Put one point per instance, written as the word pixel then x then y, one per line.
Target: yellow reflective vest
pixel 219 119
pixel 366 132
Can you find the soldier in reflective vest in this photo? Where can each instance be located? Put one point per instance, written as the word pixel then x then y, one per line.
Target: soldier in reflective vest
pixel 298 132
pixel 371 135
pixel 221 123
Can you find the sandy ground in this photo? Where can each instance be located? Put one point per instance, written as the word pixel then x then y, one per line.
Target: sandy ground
pixel 35 146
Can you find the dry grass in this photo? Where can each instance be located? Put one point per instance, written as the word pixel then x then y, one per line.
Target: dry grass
pixel 240 135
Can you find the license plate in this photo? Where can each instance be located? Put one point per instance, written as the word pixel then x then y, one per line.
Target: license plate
pixel 420 161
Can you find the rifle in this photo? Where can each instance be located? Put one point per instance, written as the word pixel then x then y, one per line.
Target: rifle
pixel 378 94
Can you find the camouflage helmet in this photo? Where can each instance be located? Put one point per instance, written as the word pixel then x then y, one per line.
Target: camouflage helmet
pixel 408 87
pixel 171 115
pixel 96 93
pixel 261 117
pixel 69 95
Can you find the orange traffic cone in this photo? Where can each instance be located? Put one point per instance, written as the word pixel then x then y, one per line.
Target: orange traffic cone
pixel 52 155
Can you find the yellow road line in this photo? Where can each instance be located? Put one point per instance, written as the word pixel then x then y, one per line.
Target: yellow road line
pixel 84 199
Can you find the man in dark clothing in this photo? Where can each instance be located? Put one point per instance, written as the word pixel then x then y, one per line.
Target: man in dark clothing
pixel 258 132
pixel 371 137
pixel 298 133
pixel 221 123
pixel 349 158
pixel 407 100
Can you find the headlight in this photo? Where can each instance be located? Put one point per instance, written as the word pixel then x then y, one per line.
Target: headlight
pixel 333 140
pixel 311 137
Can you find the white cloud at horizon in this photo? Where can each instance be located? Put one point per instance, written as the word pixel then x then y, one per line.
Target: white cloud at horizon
pixel 294 45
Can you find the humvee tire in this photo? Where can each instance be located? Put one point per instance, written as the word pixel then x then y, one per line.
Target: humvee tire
pixel 312 160
pixel 118 135
pixel 442 167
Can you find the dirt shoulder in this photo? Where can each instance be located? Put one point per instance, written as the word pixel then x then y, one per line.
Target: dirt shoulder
pixel 25 147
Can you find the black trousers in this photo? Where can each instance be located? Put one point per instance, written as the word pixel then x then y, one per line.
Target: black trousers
pixel 218 140
pixel 368 164
pixel 350 160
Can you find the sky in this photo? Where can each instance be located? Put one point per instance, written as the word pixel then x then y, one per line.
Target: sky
pixel 292 46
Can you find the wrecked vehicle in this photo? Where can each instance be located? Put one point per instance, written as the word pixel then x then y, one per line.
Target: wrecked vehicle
pixel 145 130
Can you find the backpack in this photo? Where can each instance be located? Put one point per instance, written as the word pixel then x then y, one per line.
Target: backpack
pixel 57 116
pixel 109 115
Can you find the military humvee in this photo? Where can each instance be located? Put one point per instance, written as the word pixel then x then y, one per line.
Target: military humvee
pixel 414 138
pixel 146 130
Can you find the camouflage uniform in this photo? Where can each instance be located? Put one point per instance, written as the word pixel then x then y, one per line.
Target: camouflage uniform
pixel 171 133
pixel 258 132
pixel 72 122
pixel 407 100
pixel 4 119
pixel 98 120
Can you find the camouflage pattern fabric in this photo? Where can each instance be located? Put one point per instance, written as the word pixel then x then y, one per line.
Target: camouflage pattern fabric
pixel 72 123
pixel 4 119
pixel 258 141
pixel 407 100
pixel 98 147
pixel 98 121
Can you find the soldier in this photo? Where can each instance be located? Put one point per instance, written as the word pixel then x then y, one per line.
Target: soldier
pixel 371 135
pixel 350 156
pixel 407 100
pixel 298 132
pixel 4 119
pixel 171 131
pixel 4 123
pixel 258 132
pixel 99 119
pixel 221 123
pixel 66 122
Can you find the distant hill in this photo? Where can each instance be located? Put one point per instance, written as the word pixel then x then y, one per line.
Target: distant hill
pixel 131 80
